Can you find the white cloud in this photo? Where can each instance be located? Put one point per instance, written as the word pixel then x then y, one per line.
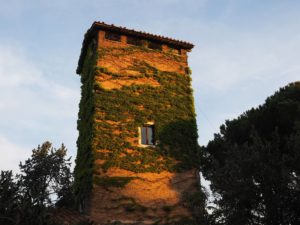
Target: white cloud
pixel 241 57
pixel 15 71
pixel 236 69
pixel 227 63
pixel 34 107
pixel 11 154
pixel 24 86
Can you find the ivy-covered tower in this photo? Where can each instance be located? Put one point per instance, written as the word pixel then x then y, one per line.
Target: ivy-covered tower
pixel 137 153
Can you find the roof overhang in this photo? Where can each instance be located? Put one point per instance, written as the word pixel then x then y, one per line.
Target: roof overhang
pixel 96 26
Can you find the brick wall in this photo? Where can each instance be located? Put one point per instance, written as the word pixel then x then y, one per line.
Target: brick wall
pixel 148 197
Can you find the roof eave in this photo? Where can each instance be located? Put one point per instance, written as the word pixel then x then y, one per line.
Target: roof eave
pixel 96 26
pixel 140 34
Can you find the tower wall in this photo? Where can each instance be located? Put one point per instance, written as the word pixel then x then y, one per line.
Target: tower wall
pixel 124 87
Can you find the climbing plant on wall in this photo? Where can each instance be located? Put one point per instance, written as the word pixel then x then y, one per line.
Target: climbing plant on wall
pixel 109 120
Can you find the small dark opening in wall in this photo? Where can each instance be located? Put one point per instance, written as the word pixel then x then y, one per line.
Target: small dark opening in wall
pixel 154 45
pixel 174 49
pixel 112 36
pixel 134 41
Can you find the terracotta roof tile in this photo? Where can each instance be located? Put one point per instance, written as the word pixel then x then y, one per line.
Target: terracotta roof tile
pixel 141 34
pixel 96 26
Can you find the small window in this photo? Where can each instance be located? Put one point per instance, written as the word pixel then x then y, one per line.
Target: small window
pixel 174 49
pixel 134 41
pixel 147 135
pixel 112 36
pixel 154 45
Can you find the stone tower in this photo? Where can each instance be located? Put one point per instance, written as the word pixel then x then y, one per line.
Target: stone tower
pixel 137 153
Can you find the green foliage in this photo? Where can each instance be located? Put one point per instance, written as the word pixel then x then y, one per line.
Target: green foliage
pixel 188 70
pixel 112 181
pixel 170 105
pixel 47 172
pixel 9 198
pixel 253 164
pixel 119 51
pixel 195 202
pixel 45 179
pixel 194 199
pixel 84 161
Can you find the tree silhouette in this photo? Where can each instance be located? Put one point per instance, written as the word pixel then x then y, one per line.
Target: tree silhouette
pixel 45 180
pixel 253 164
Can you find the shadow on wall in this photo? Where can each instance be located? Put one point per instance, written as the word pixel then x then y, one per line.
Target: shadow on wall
pixel 170 197
pixel 178 140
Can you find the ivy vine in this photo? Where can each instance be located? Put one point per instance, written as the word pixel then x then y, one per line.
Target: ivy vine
pixel 102 112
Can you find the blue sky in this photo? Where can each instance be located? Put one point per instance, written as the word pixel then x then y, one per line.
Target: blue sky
pixel 244 51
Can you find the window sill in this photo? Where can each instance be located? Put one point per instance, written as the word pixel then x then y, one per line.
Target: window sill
pixel 145 146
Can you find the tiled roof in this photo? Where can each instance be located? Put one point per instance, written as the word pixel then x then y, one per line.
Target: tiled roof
pixel 123 30
pixel 141 34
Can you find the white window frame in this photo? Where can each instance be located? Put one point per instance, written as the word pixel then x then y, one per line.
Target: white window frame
pixel 140 135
